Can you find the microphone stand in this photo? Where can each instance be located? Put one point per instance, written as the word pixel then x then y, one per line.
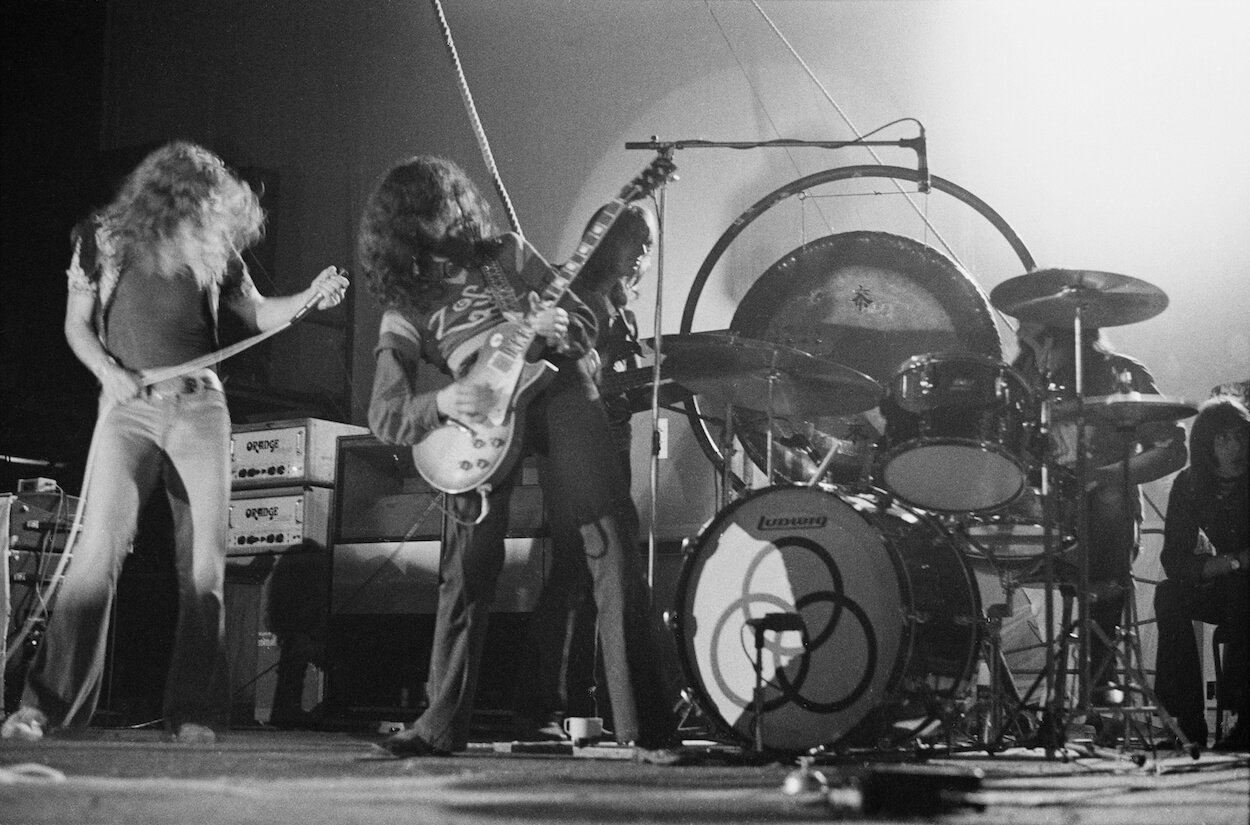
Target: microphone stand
pixel 653 479
pixel 918 144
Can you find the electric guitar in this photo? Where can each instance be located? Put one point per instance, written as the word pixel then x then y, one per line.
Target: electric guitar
pixel 459 456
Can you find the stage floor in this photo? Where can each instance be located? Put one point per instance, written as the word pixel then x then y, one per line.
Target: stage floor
pixel 276 777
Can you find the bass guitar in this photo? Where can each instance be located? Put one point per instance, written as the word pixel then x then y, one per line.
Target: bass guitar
pixel 460 456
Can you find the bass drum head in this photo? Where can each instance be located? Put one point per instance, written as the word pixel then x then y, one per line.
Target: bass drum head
pixel 869 300
pixel 804 552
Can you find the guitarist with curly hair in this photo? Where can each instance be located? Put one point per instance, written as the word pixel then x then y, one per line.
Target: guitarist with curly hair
pixel 478 306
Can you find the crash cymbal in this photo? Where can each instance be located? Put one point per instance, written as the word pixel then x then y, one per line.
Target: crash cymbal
pixel 1052 296
pixel 1129 409
pixel 768 377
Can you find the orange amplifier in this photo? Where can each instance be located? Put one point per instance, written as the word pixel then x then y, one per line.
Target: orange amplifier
pixel 286 453
pixel 273 522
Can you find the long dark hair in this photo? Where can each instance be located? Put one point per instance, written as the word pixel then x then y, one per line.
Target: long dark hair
pixel 1096 354
pixel 424 206
pixel 1215 416
pixel 634 228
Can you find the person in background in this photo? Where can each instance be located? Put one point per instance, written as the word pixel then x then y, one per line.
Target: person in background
pixel 1206 556
pixel 559 676
pixel 426 244
pixel 148 275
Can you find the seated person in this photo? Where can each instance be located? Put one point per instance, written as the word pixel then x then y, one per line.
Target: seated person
pixel 1206 553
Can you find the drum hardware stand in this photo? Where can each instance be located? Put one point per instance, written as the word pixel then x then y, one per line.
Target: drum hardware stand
pixel 1126 646
pixel 1082 515
pixel 1055 720
pixel 823 467
pixel 1126 649
pixel 727 455
pixel 990 717
pixel 778 623
pixel 1054 298
pixel 1052 733
pixel 992 725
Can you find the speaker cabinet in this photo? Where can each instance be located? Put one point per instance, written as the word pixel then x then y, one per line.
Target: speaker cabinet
pixel 384 584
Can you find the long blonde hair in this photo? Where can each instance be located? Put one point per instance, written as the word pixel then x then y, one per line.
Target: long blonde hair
pixel 182 202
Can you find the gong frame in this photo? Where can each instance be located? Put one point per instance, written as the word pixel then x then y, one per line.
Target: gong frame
pixel 698 421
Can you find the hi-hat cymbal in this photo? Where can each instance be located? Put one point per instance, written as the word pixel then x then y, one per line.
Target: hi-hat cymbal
pixel 1052 297
pixel 768 377
pixel 1129 409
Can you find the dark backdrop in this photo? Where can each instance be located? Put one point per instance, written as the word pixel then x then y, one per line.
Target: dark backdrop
pixel 52 59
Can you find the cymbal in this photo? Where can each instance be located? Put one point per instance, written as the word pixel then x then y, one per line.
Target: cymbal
pixel 1129 409
pixel 771 378
pixel 1052 296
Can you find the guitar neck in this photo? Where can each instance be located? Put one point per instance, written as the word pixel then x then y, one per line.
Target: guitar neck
pixel 613 383
pixel 591 238
pixel 660 170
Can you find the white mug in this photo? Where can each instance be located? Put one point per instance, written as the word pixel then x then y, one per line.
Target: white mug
pixel 583 729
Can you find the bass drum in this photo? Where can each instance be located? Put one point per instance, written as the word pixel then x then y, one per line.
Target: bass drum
pixel 882 607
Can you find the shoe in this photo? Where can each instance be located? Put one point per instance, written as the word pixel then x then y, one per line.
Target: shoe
pixel 1195 731
pixel 26 724
pixel 525 729
pixel 1237 739
pixel 408 743
pixel 1108 730
pixel 190 733
pixel 664 757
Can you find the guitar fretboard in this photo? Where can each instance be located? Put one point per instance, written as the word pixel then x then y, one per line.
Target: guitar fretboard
pixel 591 238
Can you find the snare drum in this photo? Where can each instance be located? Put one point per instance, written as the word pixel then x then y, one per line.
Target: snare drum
pixel 958 431
pixel 884 610
pixel 1016 533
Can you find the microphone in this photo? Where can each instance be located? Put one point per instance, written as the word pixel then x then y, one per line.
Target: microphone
pixel 777 623
pixel 308 307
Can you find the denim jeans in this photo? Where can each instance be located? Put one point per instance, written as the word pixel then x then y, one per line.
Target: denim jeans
pixel 179 435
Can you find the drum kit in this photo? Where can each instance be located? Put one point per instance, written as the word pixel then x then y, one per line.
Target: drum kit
pixel 818 615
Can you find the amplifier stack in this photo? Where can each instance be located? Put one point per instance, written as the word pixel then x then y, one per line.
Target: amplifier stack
pixel 37 521
pixel 282 494
pixel 386 540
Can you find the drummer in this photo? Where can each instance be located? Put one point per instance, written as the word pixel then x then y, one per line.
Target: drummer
pixel 1156 449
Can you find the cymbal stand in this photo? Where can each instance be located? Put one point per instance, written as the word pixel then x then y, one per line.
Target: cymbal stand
pixel 1054 717
pixel 773 375
pixel 1052 727
pixel 1126 647
pixel 1082 515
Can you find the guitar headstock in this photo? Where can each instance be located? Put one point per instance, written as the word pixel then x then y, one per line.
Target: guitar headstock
pixel 660 171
